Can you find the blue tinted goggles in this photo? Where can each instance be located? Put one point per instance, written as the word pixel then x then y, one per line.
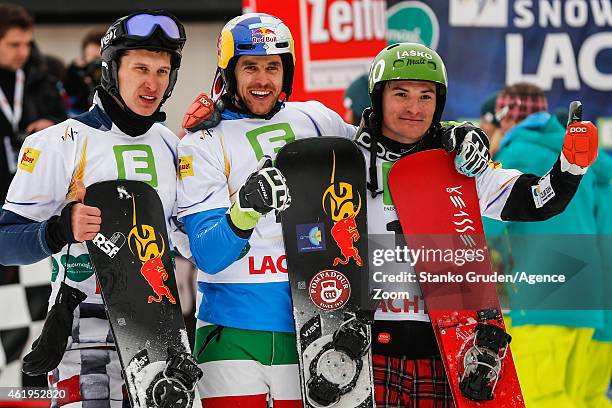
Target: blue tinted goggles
pixel 143 25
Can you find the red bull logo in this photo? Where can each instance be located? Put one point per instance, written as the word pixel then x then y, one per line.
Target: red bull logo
pixel 263 35
pixel 155 274
pixel 345 233
pixel 263 31
pixel 149 248
pixel 343 206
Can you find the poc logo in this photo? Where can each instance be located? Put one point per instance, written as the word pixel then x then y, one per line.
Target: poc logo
pixel 578 130
pixel 110 246
pixel 204 101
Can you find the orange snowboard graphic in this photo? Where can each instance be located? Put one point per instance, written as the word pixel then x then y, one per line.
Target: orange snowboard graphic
pixel 144 243
pixel 341 204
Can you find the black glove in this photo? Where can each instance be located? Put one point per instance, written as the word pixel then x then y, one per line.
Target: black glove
pixel 265 190
pixel 58 233
pixel 472 145
pixel 48 349
pixel 366 123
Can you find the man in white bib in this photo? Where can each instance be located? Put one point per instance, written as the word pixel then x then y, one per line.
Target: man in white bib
pixel 120 137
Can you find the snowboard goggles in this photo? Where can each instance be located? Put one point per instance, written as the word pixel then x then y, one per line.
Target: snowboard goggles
pixel 142 25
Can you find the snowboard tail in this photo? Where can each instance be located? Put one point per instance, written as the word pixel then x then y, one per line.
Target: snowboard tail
pixel 441 212
pixel 325 236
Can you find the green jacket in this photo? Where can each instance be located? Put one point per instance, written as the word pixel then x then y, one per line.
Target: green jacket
pixel 570 243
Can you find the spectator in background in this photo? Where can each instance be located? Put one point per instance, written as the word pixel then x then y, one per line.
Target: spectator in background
pixel 356 99
pixel 489 123
pixel 29 99
pixel 29 102
pixel 563 357
pixel 84 74
pixel 56 69
pixel 562 114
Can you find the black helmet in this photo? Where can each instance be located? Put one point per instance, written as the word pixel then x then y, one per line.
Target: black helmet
pixel 155 30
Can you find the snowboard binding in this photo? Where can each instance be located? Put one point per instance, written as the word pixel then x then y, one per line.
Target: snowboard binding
pixel 335 369
pixel 482 362
pixel 175 386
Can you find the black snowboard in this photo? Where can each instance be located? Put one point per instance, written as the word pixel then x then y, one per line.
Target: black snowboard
pixel 325 236
pixel 132 260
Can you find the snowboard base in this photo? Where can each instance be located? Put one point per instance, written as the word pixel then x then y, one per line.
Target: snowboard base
pixel 131 257
pixel 325 237
pixel 441 211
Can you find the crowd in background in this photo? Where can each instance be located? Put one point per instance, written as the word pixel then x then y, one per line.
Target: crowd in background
pixel 47 90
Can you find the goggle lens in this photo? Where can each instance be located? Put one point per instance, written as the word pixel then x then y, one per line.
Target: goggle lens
pixel 143 25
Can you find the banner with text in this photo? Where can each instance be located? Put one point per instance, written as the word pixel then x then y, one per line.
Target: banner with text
pixel 335 42
pixel 565 47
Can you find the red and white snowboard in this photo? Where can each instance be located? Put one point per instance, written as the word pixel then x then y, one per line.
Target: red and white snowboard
pixel 438 210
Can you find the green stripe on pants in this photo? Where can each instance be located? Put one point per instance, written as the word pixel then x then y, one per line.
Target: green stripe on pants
pixel 268 348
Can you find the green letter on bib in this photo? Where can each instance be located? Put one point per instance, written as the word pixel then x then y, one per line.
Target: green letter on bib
pixel 270 138
pixel 133 160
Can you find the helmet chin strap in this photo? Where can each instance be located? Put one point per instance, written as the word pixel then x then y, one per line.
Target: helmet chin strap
pixel 377 137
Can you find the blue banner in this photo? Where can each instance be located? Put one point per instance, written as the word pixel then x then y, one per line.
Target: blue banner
pixel 565 47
